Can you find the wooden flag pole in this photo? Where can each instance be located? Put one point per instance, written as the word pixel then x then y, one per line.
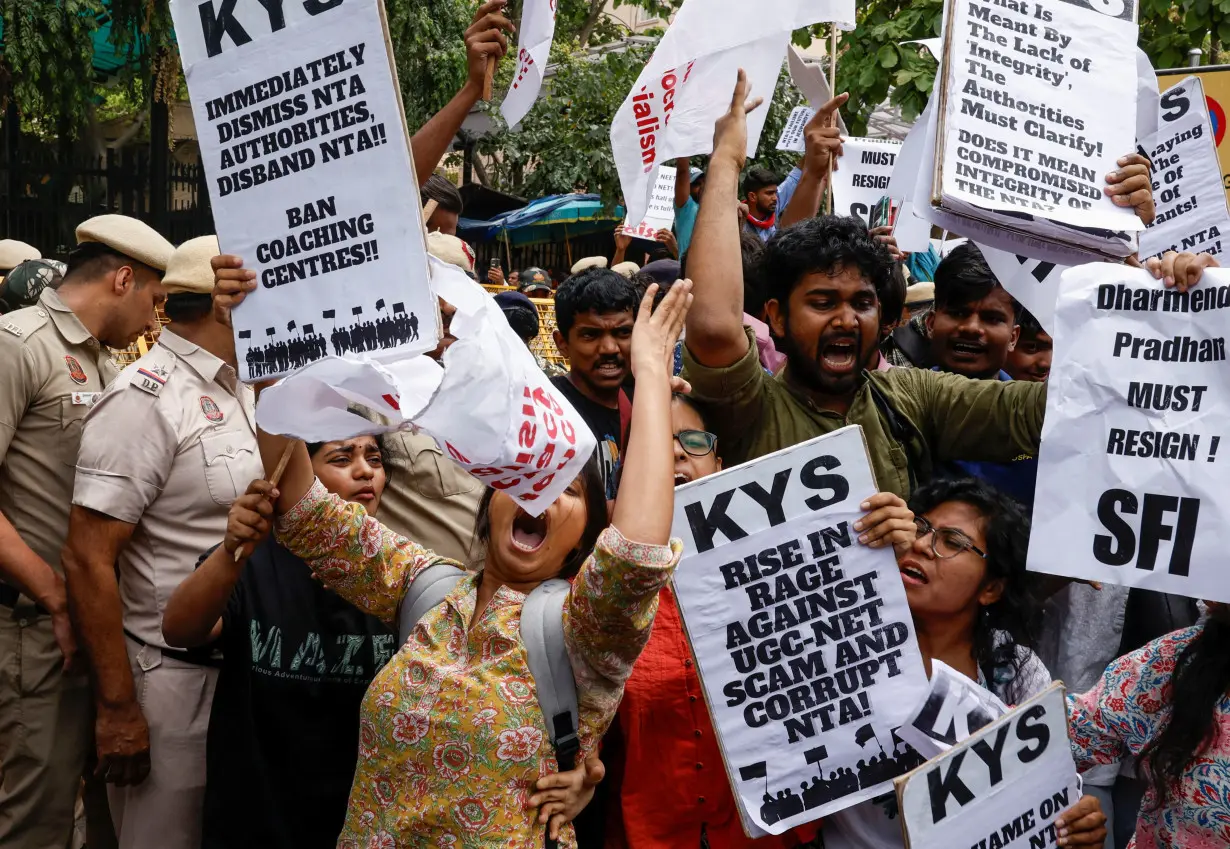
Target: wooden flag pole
pixel 828 195
pixel 488 78
pixel 274 479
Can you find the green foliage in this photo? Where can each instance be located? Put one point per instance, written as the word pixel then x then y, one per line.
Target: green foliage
pixel 428 43
pixel 48 49
pixel 785 98
pixel 564 144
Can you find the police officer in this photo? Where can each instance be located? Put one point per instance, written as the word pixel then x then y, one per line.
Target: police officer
pixel 163 454
pixel 22 286
pixel 13 253
pixel 53 365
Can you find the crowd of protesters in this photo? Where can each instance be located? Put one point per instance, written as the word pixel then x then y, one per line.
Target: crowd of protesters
pixel 193 656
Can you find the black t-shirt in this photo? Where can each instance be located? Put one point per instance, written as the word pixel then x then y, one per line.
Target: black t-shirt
pixel 284 731
pixel 604 422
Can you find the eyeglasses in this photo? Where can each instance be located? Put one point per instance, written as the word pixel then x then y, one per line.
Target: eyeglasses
pixel 946 543
pixel 696 443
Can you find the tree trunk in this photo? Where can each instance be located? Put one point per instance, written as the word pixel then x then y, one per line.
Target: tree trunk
pixel 591 21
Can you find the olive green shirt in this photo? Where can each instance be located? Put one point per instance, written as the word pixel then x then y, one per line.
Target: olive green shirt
pixel 940 416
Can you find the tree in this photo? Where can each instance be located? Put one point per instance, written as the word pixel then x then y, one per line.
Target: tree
pixel 874 65
pixel 47 55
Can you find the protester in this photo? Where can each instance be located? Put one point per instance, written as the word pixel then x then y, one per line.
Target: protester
pixel 973 326
pixel 689 183
pixel 523 317
pixel 594 316
pixel 825 278
pixel 1030 358
pixel 960 549
pixel 765 199
pixel 1168 704
pixel 164 453
pixel 56 364
pixel 426 769
pixel 448 204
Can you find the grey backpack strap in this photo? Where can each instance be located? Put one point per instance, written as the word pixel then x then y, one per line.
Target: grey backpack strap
pixel 425 592
pixel 542 631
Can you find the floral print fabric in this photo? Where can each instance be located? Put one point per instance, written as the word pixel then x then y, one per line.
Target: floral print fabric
pixel 1126 710
pixel 451 738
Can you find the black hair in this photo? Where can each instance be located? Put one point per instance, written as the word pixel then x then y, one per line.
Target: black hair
pixel 90 259
pixel 1197 685
pixel 444 193
pixel 1199 682
pixel 752 250
pixel 757 179
pixel 1030 326
pixel 188 306
pixel 596 521
pixel 1010 624
pixel 824 245
pixel 597 290
pixel 523 320
pixel 963 277
pixel 382 445
pixel 690 403
pixel 892 299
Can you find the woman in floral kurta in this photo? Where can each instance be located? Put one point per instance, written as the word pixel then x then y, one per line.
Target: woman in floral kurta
pixel 1125 712
pixel 452 739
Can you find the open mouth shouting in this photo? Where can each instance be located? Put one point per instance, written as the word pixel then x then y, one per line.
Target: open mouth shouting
pixel 912 574
pixel 681 478
pixel 528 533
pixel 840 355
pixel 610 369
pixel 967 350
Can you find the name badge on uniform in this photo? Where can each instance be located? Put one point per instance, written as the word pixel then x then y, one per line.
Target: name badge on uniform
pixel 85 399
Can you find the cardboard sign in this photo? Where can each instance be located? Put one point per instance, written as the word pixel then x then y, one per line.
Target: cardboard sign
pixel 1131 481
pixel 310 176
pixel 686 85
pixel 1004 786
pixel 490 409
pixel 862 175
pixel 802 636
pixel 1192 214
pixel 955 707
pixel 661 214
pixel 792 138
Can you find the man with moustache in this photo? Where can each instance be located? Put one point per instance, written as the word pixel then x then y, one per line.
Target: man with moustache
pixel 823 280
pixel 594 314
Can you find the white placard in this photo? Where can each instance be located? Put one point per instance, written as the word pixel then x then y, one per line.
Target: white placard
pixel 792 139
pixel 955 707
pixel 310 176
pixel 1131 472
pixel 533 50
pixel 686 85
pixel 661 214
pixel 803 637
pixel 1002 787
pixel 1034 113
pixel 862 176
pixel 809 79
pixel 1033 282
pixel 1191 204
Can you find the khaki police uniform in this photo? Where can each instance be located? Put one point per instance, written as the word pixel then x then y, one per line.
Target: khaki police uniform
pixel 51 371
pixel 167 448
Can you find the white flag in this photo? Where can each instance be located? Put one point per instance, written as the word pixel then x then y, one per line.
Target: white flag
pixel 687 84
pixel 533 50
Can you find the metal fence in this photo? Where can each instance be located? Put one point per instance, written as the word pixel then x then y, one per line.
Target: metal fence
pixel 43 197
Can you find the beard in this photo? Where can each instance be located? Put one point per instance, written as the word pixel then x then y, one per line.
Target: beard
pixel 810 372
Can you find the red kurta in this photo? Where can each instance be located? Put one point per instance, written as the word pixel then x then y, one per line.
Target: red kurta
pixel 671 779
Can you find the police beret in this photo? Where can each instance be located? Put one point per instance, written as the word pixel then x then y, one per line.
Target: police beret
pixel 189 270
pixel 625 269
pixel 13 253
pixel 128 236
pixel 588 263
pixel 919 293
pixel 450 249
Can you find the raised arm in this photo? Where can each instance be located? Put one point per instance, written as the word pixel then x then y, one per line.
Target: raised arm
pixel 822 141
pixel 715 322
pixel 683 181
pixel 484 39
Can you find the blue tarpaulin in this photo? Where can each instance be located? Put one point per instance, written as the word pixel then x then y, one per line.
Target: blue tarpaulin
pixel 550 219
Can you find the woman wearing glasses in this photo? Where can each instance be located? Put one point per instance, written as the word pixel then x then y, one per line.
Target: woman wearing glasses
pixel 974 608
